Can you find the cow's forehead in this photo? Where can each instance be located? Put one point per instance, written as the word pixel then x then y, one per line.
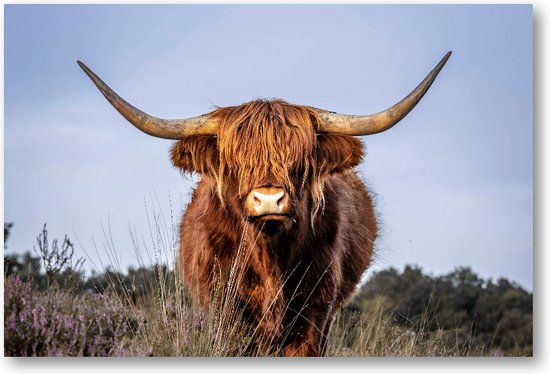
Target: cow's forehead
pixel 266 115
pixel 271 131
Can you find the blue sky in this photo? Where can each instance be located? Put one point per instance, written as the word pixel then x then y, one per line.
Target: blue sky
pixel 453 180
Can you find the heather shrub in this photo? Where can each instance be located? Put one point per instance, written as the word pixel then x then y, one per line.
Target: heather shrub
pixel 60 323
pixel 57 258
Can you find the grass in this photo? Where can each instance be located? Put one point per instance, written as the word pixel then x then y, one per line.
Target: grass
pixel 374 334
pixel 167 322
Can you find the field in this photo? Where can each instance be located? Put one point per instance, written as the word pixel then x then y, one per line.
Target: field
pixel 52 310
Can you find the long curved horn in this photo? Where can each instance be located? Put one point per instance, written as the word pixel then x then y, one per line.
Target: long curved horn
pixel 161 128
pixel 382 121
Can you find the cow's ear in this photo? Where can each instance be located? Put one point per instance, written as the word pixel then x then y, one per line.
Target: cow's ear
pixel 337 153
pixel 196 154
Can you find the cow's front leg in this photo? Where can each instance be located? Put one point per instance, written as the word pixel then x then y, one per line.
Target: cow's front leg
pixel 306 331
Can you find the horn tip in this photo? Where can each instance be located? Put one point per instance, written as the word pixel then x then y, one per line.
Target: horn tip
pixel 88 71
pixel 81 64
pixel 83 67
pixel 443 61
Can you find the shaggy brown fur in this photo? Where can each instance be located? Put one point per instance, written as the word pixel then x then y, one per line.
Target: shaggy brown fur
pixel 294 274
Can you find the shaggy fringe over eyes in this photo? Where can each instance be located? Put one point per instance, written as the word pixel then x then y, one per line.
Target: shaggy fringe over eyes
pixel 268 141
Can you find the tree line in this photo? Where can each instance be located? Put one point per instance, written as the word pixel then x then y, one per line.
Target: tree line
pixel 472 311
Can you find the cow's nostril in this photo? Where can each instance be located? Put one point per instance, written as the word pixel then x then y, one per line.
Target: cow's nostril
pixel 257 201
pixel 281 201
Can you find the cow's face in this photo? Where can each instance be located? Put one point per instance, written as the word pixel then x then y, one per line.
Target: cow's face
pixel 267 161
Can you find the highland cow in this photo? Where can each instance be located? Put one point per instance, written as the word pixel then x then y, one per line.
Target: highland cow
pixel 279 197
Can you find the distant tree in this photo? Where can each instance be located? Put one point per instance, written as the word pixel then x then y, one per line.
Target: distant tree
pixel 7 229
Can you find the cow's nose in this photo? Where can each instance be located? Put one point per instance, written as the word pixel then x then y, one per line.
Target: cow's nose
pixel 264 201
